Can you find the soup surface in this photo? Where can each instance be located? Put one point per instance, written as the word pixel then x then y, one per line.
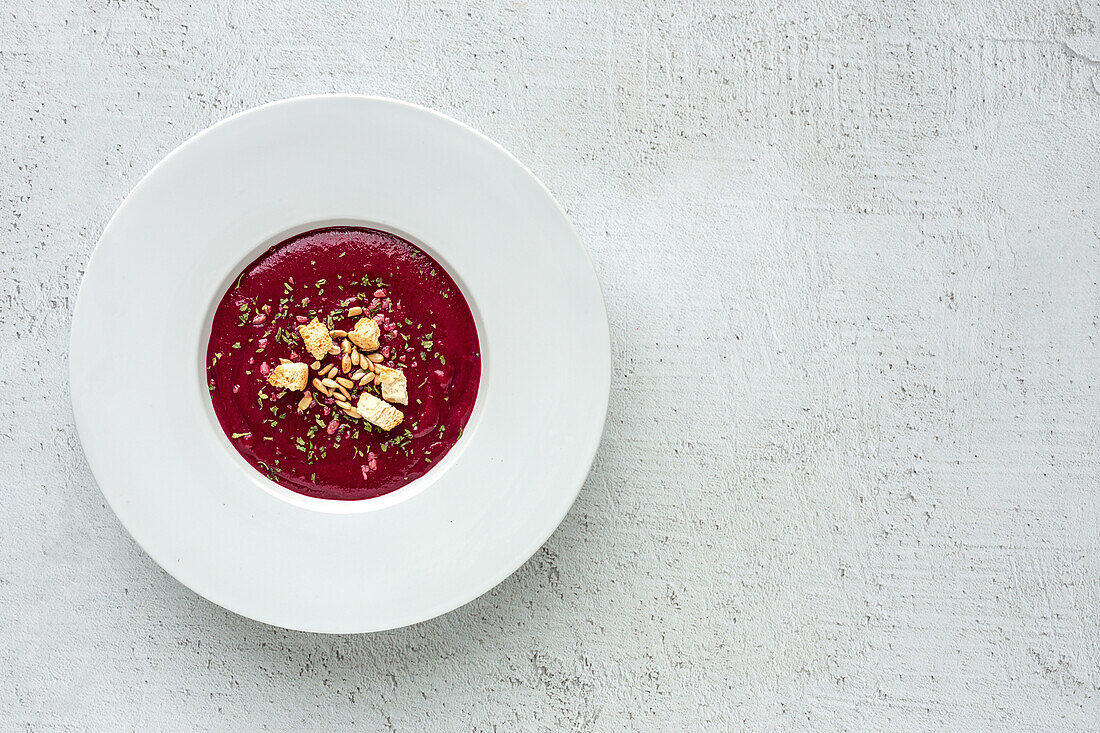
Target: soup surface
pixel 343 363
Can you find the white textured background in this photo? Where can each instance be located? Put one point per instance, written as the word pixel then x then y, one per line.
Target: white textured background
pixel 851 474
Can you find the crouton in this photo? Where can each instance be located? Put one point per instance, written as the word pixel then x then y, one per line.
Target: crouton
pixel 378 412
pixel 365 335
pixel 394 388
pixel 316 338
pixel 290 375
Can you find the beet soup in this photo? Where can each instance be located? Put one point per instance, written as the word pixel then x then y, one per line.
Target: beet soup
pixel 343 363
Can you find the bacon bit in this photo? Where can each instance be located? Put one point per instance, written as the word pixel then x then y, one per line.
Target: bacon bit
pixel 373 464
pixel 375 303
pixel 262 343
pixel 333 426
pixel 379 318
pixel 385 352
pixel 388 303
pixel 326 410
pixel 365 471
pixel 259 318
pixel 236 388
pixel 380 293
pixel 290 279
pixel 301 319
pixel 267 308
pixel 265 369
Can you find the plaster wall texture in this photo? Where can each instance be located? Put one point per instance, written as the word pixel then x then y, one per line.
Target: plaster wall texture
pixel 850 475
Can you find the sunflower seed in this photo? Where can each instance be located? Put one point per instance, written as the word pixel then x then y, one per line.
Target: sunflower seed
pixel 306 401
pixel 338 333
pixel 345 382
pixel 315 365
pixel 356 311
pixel 375 357
pixel 357 375
pixel 352 412
pixel 345 364
pixel 347 346
pixel 343 405
pixel 319 385
pixel 330 383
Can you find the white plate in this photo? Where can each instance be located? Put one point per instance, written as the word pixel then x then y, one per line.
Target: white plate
pixel 139 340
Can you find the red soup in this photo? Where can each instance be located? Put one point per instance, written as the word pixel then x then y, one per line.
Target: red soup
pixel 343 363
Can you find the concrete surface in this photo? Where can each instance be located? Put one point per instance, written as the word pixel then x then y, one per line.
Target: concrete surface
pixel 851 257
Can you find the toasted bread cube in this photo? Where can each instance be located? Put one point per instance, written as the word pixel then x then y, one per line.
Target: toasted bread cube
pixel 394 388
pixel 376 411
pixel 316 338
pixel 290 375
pixel 365 335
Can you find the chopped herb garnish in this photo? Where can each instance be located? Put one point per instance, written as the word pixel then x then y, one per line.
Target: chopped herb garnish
pixel 240 435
